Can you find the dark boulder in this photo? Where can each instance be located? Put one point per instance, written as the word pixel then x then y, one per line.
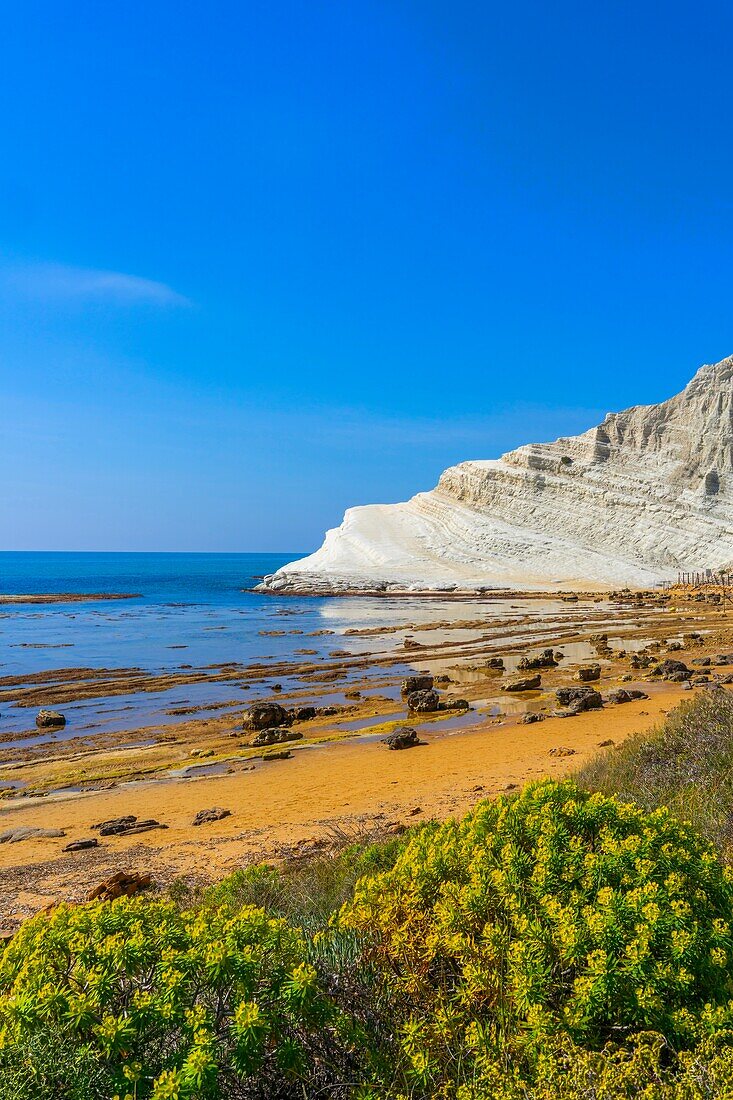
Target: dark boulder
pixel 262 716
pixel 577 699
pixel 546 659
pixel 405 738
pixel 671 670
pixel 529 683
pixel 626 695
pixel 304 714
pixel 530 719
pixel 205 817
pixel 416 683
pixel 50 719
pixel 278 735
pixel 423 702
pixel 454 704
pixel 81 845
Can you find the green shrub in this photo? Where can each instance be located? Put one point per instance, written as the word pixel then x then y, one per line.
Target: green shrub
pixel 50 1064
pixel 306 892
pixel 176 1004
pixel 686 764
pixel 557 914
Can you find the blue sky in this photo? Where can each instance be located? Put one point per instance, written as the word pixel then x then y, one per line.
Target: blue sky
pixel 260 262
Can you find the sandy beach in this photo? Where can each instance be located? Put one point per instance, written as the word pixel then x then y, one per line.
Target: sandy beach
pixel 338 780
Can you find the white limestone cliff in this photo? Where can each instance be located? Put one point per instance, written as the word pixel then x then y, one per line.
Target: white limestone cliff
pixel 647 492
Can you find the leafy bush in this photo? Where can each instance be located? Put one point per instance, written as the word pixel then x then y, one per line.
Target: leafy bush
pixel 176 1004
pixel 557 913
pixel 306 892
pixel 49 1064
pixel 685 764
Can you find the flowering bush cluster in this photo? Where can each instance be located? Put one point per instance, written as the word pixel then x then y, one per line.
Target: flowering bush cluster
pixel 559 945
pixel 557 913
pixel 172 1001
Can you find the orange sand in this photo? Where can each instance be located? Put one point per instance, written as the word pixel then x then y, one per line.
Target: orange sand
pixel 285 802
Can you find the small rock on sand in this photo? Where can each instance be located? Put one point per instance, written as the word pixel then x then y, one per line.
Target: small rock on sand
pixel 405 738
pixel 205 817
pixel 28 832
pixel 81 845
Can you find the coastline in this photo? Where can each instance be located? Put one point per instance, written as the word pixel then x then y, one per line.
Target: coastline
pixel 338 779
pixel 293 806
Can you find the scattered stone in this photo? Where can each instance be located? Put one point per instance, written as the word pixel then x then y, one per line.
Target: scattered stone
pixel 606 744
pixel 562 752
pixel 262 716
pixel 546 659
pixel 28 832
pixel 529 683
pixel 416 683
pixel 277 754
pixel 276 736
pixel 676 671
pixel 50 719
pixel 674 647
pixel 423 702
pixel 496 663
pixel 589 672
pixel 577 699
pixel 535 716
pixel 125 826
pixel 205 817
pixel 404 738
pixel 415 811
pixel 703 662
pixel 454 704
pixel 687 686
pixel 114 825
pixel 626 678
pixel 625 695
pixel 596 638
pixel 120 884
pixel 81 845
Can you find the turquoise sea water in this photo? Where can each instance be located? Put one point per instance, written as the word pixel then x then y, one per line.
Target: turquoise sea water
pixel 192 610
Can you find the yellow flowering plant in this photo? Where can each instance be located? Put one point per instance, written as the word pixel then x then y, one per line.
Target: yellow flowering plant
pixel 173 1002
pixel 554 914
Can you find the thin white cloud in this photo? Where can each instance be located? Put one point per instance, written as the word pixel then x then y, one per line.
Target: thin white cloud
pixel 50 282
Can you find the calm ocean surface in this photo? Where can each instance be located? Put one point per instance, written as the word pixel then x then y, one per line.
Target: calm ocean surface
pixel 199 601
pixel 192 610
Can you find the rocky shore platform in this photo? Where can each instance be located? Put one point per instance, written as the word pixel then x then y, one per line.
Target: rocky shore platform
pixel 301 755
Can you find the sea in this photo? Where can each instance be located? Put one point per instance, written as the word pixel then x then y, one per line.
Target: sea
pixel 188 610
pixel 200 611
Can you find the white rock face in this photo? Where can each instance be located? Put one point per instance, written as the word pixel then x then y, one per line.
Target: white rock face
pixel 647 492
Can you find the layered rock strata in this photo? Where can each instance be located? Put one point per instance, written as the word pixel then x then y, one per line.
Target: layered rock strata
pixel 646 493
